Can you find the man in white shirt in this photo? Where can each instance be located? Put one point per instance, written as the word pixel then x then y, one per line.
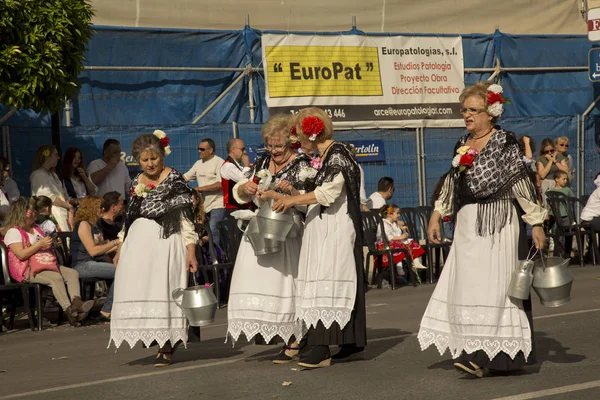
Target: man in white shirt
pixel 109 173
pixel 385 191
pixel 232 171
pixel 591 213
pixel 207 171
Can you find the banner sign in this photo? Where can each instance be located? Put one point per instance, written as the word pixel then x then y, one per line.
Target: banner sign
pixel 368 150
pixel 366 81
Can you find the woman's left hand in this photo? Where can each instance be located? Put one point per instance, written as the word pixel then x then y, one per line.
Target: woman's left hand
pixel 282 204
pixel 539 237
pixel 191 264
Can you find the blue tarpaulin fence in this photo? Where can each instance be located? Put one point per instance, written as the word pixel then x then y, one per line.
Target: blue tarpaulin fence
pixel 123 104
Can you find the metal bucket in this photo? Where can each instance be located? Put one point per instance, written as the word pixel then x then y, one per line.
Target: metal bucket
pixel 260 244
pixel 522 278
pixel 198 303
pixel 273 225
pixel 552 281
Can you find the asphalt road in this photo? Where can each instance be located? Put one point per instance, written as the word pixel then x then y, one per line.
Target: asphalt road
pixel 74 363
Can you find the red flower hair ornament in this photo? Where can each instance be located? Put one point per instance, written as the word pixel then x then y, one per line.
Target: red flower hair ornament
pixel 312 127
pixel 294 140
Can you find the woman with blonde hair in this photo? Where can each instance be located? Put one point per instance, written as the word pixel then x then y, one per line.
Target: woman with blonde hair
pixel 330 295
pixel 90 253
pixel 258 280
pixel 30 256
pixel 158 250
pixel 45 182
pixel 562 147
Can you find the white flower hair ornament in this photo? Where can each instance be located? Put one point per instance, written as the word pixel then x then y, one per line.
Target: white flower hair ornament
pixel 495 100
pixel 164 141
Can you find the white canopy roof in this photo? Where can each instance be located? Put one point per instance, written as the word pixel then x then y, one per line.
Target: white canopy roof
pixel 414 16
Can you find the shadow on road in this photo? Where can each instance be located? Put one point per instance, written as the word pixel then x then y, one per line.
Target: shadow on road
pixel 206 350
pixel 546 348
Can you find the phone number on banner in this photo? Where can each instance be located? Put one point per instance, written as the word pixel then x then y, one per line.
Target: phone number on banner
pixel 383 112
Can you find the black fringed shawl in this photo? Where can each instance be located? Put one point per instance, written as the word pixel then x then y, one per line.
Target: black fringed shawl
pixel 166 204
pixel 497 176
pixel 340 159
pixel 290 172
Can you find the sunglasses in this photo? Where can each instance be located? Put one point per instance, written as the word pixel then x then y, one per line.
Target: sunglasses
pixel 548 151
pixel 564 145
pixel 202 149
pixel 242 148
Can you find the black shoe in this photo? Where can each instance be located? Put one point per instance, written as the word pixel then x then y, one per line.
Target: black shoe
pixel 284 358
pixel 318 357
pixel 347 351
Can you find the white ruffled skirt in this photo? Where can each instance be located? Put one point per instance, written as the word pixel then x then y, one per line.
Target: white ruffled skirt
pixel 469 309
pixel 262 297
pixel 149 269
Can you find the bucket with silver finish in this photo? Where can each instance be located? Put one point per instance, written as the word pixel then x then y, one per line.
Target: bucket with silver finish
pixel 199 303
pixel 552 281
pixel 273 225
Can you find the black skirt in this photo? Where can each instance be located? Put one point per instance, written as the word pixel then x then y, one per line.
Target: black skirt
pixel 355 331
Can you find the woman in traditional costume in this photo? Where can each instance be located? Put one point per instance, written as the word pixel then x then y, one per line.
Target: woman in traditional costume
pixel 486 188
pixel 330 296
pixel 262 298
pixel 157 252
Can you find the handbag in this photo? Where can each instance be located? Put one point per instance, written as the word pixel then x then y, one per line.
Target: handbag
pixel 43 260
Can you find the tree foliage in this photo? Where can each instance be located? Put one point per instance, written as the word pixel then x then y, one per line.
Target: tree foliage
pixel 42 49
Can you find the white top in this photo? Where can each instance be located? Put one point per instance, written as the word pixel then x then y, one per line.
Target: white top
pixel 230 171
pixel 592 207
pixel 207 173
pixel 392 229
pixel 363 192
pixel 117 180
pixel 328 192
pixel 11 189
pixel 45 183
pixel 14 236
pixel 80 188
pixel 4 204
pixel 48 227
pixel 375 201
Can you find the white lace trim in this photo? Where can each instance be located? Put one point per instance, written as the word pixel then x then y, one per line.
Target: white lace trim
pixel 268 330
pixel 457 343
pixel 147 336
pixel 327 315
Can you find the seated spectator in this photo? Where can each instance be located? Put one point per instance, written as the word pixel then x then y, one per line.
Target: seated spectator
pixel 89 250
pixel 45 182
pixel 109 173
pixel 591 211
pixel 113 208
pixel 44 219
pixel 9 186
pixel 548 162
pixel 562 146
pixel 385 191
pixel 561 181
pixel 77 182
pixel 26 241
pixel 398 238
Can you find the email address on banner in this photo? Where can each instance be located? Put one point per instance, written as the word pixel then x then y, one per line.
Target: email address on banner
pixel 412 111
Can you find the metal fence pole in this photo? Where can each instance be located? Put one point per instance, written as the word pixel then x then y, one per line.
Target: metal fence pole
pixel 251 94
pixel 236 131
pixel 220 97
pixel 419 166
